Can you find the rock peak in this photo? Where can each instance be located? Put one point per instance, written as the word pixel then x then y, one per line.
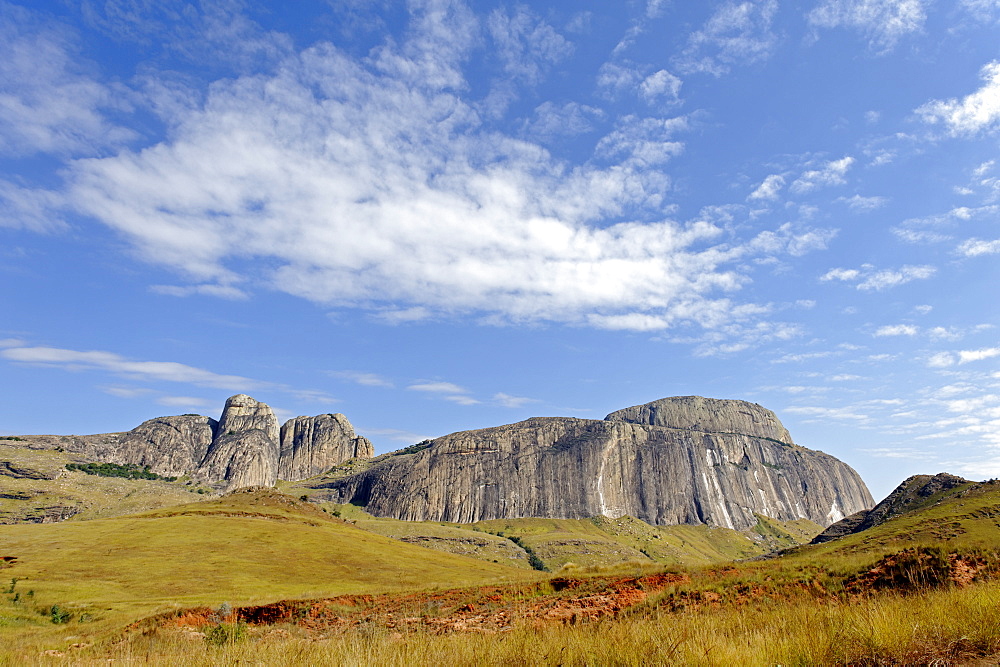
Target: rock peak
pixel 708 415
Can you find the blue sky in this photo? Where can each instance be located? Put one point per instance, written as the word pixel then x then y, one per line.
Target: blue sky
pixel 435 215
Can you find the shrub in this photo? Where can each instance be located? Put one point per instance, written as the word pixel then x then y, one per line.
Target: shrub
pixel 225 633
pixel 59 615
pixel 127 471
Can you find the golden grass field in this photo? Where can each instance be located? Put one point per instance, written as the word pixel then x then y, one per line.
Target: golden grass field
pixel 916 590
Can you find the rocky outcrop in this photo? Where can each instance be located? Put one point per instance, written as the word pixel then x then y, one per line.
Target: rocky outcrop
pixel 914 493
pixel 721 464
pixel 244 448
pixel 243 414
pixel 170 446
pixel 241 458
pixel 311 445
pixel 707 415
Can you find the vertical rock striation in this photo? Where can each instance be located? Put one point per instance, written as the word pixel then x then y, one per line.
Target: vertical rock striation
pixel 311 445
pixel 721 464
pixel 244 448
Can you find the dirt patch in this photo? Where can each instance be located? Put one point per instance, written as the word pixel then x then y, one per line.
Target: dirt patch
pixel 915 569
pixel 486 609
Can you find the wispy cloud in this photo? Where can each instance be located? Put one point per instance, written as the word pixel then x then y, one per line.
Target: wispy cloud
pixel 738 33
pixel 169 371
pixel 50 103
pixel 897 330
pixel 882 22
pixel 448 391
pixel 375 184
pixel 364 379
pixel 946 359
pixel 977 247
pixel 508 401
pixel 526 45
pixel 185 402
pixel 974 113
pixel 869 278
pixel 859 203
pixel 218 291
pixel 831 173
pixel 769 189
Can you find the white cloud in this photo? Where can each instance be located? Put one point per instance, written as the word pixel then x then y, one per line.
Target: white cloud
pixel 36 210
pixel 126 392
pixel 882 22
pixel 218 291
pixel 169 371
pixel 859 203
pixel 974 113
pixel 984 10
pixel 897 330
pixel 526 45
pixel 977 247
pixel 660 86
pixel 614 78
pixel 184 402
pixel 868 278
pixel 462 399
pixel 438 388
pixel 49 103
pixel 364 379
pixel 832 173
pixel 738 33
pixel 355 187
pixel 941 360
pixel 570 119
pixel 509 401
pixel 839 414
pixel 966 356
pixel 846 275
pixel 643 142
pixel 769 189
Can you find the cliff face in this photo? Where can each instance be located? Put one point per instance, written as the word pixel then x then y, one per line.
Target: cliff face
pixel 311 445
pixel 723 462
pixel 244 448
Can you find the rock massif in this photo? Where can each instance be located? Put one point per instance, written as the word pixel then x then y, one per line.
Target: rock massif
pixel 245 447
pixel 678 460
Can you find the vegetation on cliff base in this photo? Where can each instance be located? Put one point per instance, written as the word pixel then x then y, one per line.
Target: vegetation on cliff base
pixel 115 470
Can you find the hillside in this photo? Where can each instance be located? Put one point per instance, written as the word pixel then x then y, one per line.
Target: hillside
pixel 243 548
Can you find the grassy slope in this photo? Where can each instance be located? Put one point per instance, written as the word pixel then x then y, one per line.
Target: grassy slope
pixel 599 541
pixel 963 519
pixel 92 496
pixel 240 549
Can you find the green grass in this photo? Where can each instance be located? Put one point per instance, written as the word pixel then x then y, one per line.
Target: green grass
pixel 241 549
pixel 84 496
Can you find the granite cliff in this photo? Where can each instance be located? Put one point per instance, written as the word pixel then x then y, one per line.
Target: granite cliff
pixel 245 447
pixel 684 460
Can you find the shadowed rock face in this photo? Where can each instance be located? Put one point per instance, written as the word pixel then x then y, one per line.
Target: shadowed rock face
pixel 311 445
pixel 714 467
